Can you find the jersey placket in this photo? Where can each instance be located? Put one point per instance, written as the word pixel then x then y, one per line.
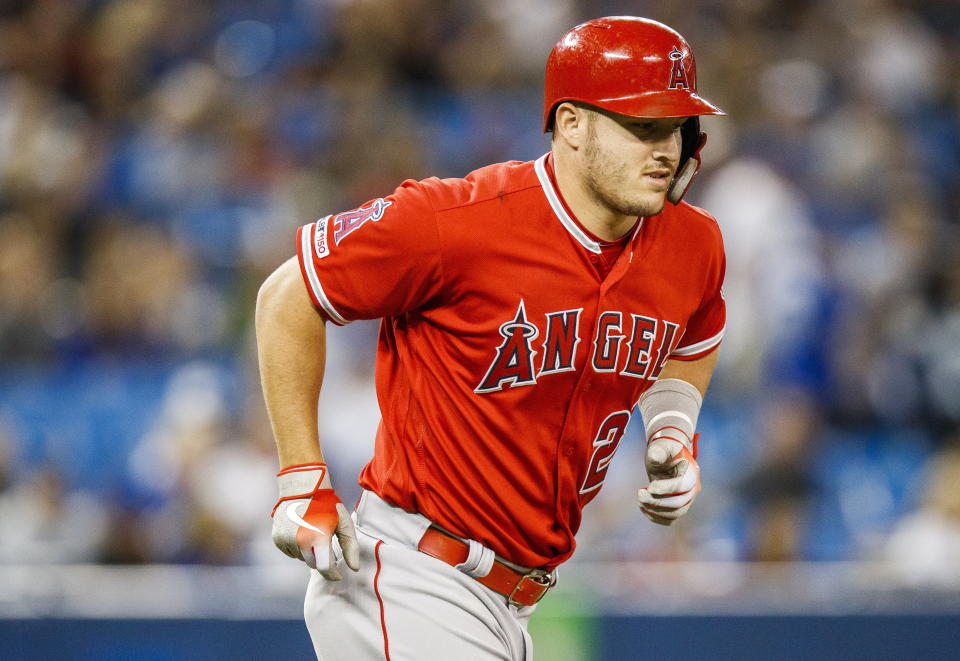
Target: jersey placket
pixel 576 440
pixel 577 437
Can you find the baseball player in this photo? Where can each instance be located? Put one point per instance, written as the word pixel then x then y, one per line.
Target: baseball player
pixel 527 310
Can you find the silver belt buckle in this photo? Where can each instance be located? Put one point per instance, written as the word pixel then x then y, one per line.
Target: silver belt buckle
pixel 539 576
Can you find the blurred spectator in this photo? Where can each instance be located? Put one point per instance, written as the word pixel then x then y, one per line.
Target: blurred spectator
pixel 197 477
pixel 924 547
pixel 778 490
pixel 45 522
pixel 126 538
pixel 27 269
pixel 775 279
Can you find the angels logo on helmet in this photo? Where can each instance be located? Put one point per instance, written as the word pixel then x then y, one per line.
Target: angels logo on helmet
pixel 678 74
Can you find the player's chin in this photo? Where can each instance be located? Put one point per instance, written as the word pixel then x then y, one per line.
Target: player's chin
pixel 650 203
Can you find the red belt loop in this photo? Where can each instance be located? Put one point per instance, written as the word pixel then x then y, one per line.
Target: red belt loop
pixel 522 589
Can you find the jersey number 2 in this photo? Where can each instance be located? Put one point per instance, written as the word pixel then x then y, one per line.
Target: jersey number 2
pixel 604 446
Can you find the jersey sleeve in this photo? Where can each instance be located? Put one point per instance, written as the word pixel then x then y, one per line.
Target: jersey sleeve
pixel 706 326
pixel 379 260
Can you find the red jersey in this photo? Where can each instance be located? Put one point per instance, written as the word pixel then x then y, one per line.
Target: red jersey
pixel 508 367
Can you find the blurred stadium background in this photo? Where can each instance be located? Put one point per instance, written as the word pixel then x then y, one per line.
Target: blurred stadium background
pixel 156 157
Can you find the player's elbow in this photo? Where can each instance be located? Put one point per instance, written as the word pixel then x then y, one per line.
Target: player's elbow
pixel 282 299
pixel 267 298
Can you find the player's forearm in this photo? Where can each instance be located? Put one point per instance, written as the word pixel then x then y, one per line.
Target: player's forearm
pixel 695 372
pixel 291 350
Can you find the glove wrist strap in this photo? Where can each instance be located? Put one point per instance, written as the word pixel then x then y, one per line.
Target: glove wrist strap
pixel 670 409
pixel 302 481
pixel 296 468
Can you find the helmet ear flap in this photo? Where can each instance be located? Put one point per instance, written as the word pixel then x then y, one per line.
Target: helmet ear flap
pixel 690 138
pixel 692 141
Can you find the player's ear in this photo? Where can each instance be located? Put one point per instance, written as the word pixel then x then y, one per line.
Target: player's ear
pixel 570 124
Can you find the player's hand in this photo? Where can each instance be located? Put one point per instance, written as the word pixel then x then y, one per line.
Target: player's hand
pixel 674 479
pixel 307 517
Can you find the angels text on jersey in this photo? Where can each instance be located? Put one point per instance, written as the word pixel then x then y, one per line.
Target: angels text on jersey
pixel 633 345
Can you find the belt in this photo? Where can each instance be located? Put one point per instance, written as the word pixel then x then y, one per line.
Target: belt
pixel 522 589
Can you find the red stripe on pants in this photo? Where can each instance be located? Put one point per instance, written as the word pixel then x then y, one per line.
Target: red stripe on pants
pixel 376 589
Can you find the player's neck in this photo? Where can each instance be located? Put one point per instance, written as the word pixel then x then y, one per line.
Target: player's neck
pixel 600 220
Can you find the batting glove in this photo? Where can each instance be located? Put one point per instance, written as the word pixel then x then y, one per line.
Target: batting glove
pixel 674 476
pixel 308 515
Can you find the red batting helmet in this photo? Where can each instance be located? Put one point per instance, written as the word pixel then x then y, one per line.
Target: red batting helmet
pixel 631 66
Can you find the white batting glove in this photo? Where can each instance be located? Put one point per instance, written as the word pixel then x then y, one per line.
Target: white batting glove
pixel 308 515
pixel 674 476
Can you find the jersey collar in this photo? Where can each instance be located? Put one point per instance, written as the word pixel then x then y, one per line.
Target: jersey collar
pixel 553 197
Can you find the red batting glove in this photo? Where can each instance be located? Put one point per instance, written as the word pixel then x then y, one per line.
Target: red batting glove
pixel 307 517
pixel 674 476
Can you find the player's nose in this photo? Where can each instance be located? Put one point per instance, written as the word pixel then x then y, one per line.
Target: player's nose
pixel 667 147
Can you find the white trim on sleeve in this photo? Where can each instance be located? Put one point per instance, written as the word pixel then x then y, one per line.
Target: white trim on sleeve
pixel 700 347
pixel 306 256
pixel 554 199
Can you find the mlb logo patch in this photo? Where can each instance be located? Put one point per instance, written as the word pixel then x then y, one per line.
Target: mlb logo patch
pixel 320 245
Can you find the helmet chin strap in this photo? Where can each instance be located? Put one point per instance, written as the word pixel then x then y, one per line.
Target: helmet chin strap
pixel 687 171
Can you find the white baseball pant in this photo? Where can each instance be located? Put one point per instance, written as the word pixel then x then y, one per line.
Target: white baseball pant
pixel 404 605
